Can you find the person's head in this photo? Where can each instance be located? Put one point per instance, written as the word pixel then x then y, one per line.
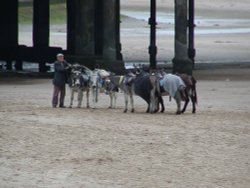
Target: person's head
pixel 60 57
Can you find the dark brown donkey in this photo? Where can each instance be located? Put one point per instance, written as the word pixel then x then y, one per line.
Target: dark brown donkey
pixel 190 91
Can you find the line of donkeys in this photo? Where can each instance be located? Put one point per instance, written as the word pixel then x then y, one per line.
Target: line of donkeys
pixel 149 85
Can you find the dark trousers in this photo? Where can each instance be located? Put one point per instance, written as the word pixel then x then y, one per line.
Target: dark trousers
pixel 56 92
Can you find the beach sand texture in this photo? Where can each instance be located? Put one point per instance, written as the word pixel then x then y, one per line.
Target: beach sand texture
pixel 105 148
pixel 45 147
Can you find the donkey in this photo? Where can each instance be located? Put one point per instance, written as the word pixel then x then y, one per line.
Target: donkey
pixel 144 85
pixel 79 81
pixel 190 91
pixel 97 83
pixel 181 87
pixel 112 88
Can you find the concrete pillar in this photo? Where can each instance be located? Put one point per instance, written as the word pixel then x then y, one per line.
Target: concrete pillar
pixel 71 26
pixel 9 23
pixel 152 47
pixel 117 25
pixel 19 64
pixel 111 30
pixel 41 23
pixel 41 30
pixel 9 31
pixel 191 26
pixel 80 29
pixel 181 62
pixel 98 27
pixel 9 65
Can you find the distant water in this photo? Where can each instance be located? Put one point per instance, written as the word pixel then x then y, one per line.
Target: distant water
pixel 145 32
pixel 204 25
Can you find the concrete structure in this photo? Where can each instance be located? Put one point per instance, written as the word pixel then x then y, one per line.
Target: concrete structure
pixel 182 62
pixel 93 35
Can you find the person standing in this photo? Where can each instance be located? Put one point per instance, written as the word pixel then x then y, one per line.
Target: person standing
pixel 59 80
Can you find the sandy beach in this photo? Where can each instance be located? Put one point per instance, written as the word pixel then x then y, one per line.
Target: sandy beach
pixel 105 148
pixel 45 147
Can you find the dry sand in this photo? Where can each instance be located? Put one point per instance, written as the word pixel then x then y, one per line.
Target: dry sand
pixel 45 147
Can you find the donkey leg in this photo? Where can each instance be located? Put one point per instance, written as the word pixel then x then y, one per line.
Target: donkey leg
pixel 87 96
pixel 80 95
pixel 114 98
pixel 152 101
pixel 186 101
pixel 110 100
pixel 193 104
pixel 94 98
pixel 156 104
pixel 71 98
pixel 97 93
pixel 132 103
pixel 148 109
pixel 177 98
pixel 162 103
pixel 126 102
pixel 185 105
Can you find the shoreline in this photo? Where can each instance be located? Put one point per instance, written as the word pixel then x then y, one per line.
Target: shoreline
pixel 237 71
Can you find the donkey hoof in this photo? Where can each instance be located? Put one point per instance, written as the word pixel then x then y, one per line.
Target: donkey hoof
pixel 125 111
pixel 133 110
pixel 178 112
pixel 155 111
pixel 70 106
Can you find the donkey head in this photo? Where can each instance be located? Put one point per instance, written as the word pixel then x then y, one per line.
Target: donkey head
pixel 76 78
pixel 95 79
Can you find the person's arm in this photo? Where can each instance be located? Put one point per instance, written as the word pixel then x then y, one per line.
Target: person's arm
pixel 66 65
pixel 58 67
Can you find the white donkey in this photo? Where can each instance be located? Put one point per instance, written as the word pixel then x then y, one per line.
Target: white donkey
pixel 98 77
pixel 79 81
pixel 112 84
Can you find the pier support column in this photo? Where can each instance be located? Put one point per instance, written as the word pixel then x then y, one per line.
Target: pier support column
pixel 191 26
pixel 111 30
pixel 181 61
pixel 8 65
pixel 80 27
pixel 99 27
pixel 41 30
pixel 9 31
pixel 152 47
